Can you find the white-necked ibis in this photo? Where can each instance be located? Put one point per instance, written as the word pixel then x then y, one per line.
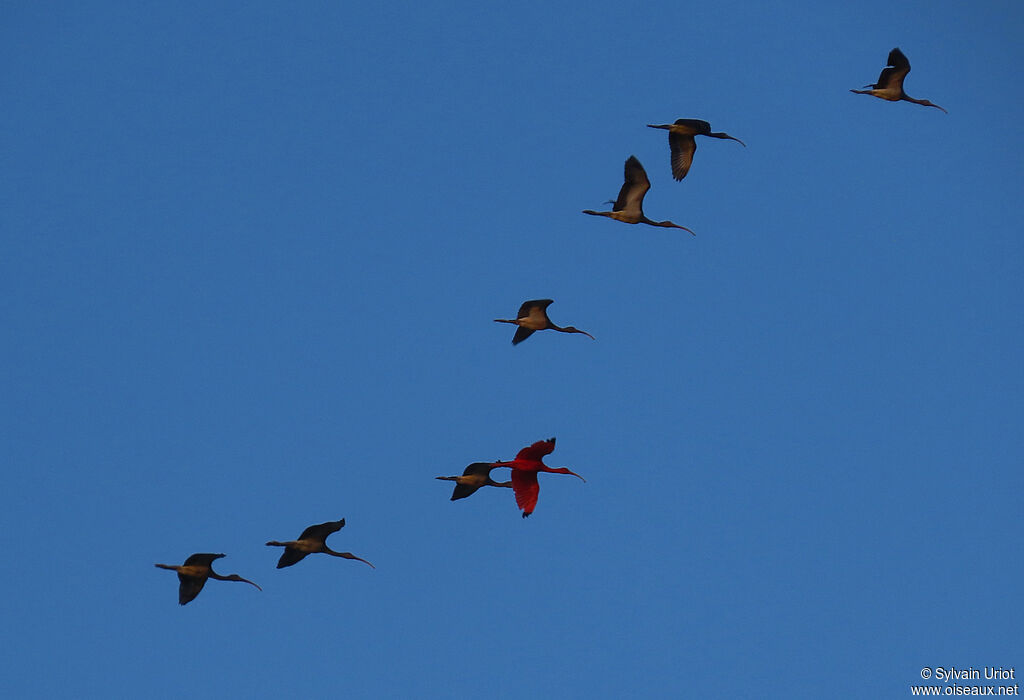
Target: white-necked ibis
pixel 890 82
pixel 533 316
pixel 682 143
pixel 194 572
pixel 313 540
pixel 628 206
pixel 474 477
pixel 525 466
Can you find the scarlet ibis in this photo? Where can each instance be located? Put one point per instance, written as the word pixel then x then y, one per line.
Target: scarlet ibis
pixel 524 473
pixel 475 476
pixel 628 206
pixel 682 143
pixel 533 316
pixel 890 82
pixel 194 572
pixel 312 541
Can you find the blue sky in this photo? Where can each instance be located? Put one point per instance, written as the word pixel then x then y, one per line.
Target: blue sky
pixel 250 258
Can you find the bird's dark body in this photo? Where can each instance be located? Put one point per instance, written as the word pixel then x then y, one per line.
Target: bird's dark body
pixel 890 82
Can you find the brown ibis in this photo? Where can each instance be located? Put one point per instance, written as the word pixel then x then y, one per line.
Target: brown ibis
pixel 475 476
pixel 682 143
pixel 890 82
pixel 194 572
pixel 533 316
pixel 313 540
pixel 525 466
pixel 628 207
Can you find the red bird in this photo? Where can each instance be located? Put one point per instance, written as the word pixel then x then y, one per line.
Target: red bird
pixel 524 473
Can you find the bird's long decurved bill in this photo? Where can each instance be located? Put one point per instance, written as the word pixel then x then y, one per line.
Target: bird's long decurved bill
pixel 251 583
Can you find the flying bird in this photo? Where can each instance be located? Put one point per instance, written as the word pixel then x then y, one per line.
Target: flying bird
pixel 474 477
pixel 312 541
pixel 683 144
pixel 890 82
pixel 628 206
pixel 194 572
pixel 525 466
pixel 533 316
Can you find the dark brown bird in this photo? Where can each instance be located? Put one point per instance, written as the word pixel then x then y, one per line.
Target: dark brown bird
pixel 533 316
pixel 682 143
pixel 194 572
pixel 890 82
pixel 313 540
pixel 474 477
pixel 628 206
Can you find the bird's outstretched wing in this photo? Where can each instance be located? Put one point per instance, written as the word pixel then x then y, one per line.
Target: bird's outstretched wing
pixel 478 469
pixel 893 74
pixel 202 559
pixel 535 452
pixel 290 556
pixel 463 491
pixel 683 147
pixel 321 531
pixel 189 587
pixel 699 126
pixel 526 488
pixel 898 61
pixel 521 335
pixel 631 196
pixel 528 306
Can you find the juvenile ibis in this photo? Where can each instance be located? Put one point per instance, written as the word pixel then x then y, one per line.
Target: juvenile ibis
pixel 475 476
pixel 533 316
pixel 194 572
pixel 525 466
pixel 313 540
pixel 628 206
pixel 890 82
pixel 682 143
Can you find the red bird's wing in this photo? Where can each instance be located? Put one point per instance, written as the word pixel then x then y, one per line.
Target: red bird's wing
pixel 526 489
pixel 536 451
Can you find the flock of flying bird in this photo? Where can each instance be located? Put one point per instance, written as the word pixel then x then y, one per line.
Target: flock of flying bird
pixel 532 316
